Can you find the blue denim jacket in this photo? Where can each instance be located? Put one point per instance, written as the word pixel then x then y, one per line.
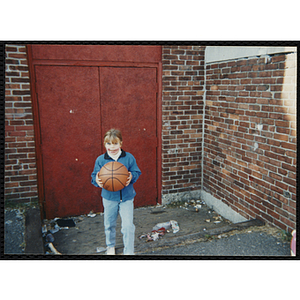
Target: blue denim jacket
pixel 128 160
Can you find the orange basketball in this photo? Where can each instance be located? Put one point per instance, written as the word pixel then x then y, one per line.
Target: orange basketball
pixel 113 176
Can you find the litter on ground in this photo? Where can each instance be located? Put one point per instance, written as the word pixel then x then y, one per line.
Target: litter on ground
pixel 100 249
pixel 159 230
pixel 91 214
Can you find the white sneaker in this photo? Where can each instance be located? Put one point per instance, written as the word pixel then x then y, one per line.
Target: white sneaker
pixel 110 251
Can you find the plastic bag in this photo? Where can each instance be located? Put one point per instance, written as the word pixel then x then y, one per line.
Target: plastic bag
pixel 175 226
pixel 165 225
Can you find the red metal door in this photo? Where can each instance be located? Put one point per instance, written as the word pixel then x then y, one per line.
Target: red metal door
pixel 76 106
pixel 128 102
pixel 69 114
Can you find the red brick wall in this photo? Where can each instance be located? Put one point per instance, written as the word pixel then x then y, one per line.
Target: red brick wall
pixel 20 163
pixel 182 110
pixel 250 137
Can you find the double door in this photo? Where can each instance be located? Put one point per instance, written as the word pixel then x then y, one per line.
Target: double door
pixel 75 106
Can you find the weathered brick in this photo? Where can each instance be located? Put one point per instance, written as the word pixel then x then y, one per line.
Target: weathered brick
pixel 17 134
pixel 183 86
pixel 267 107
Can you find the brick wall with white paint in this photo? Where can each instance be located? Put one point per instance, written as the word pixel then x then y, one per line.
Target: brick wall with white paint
pixel 250 137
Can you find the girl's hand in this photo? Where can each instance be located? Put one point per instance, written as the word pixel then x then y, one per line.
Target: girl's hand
pixel 98 180
pixel 128 179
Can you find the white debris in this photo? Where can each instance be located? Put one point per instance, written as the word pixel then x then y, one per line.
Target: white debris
pixel 55 229
pixel 175 226
pixel 165 225
pixel 100 249
pixel 44 229
pixel 155 236
pixel 50 245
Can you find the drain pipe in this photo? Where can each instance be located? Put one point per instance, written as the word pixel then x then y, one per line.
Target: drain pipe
pixel 203 121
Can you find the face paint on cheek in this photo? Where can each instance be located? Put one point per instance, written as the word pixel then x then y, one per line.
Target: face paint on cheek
pixel 113 148
pixel 115 151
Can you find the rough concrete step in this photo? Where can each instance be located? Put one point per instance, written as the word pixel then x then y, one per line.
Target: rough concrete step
pixel 33 232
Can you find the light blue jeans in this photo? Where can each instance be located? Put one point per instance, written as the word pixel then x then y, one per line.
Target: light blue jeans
pixel 125 209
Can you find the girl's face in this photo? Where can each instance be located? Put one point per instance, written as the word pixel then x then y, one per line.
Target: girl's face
pixel 113 147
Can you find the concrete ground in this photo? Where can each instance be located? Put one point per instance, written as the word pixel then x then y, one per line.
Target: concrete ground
pixel 202 233
pixel 248 243
pixel 22 231
pixel 14 232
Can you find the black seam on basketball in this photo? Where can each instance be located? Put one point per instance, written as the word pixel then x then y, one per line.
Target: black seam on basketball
pixel 112 176
pixel 105 182
pixel 105 167
pixel 120 167
pixel 121 174
pixel 120 181
pixel 113 162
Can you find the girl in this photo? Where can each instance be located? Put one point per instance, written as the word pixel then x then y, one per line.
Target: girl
pixel 120 201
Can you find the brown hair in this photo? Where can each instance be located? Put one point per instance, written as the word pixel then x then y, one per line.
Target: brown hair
pixel 113 135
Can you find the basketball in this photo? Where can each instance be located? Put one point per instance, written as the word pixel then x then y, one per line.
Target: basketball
pixel 113 176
